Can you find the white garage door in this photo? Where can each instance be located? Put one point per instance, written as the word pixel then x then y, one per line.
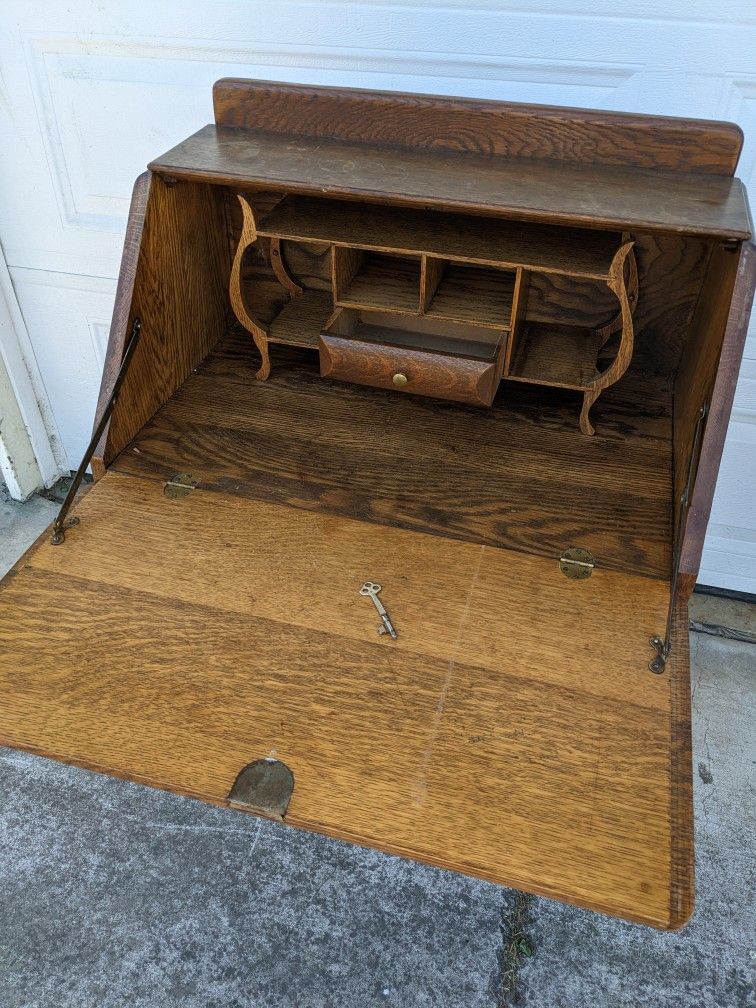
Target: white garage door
pixel 91 91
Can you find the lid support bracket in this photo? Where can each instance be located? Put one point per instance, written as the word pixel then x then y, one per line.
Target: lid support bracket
pixel 62 522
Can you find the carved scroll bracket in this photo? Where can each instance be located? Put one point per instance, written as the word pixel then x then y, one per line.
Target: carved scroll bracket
pixel 258 332
pixel 626 292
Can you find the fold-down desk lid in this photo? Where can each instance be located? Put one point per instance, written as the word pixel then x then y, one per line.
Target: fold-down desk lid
pixel 512 731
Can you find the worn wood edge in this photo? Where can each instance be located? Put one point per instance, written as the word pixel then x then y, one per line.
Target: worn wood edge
pixel 682 852
pixel 119 327
pixel 169 167
pixel 232 95
pixel 720 408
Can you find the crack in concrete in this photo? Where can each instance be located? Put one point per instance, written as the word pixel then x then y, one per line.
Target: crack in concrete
pixel 707 799
pixel 515 946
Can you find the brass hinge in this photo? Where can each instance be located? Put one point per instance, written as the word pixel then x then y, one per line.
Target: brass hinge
pixel 731 244
pixel 180 485
pixel 576 563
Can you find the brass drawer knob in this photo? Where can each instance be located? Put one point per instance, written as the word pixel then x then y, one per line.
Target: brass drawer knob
pixel 399 379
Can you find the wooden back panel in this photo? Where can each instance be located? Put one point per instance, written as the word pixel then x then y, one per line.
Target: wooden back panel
pixel 505 129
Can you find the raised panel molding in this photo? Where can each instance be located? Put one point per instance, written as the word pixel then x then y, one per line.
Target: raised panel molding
pixel 739 105
pixel 61 310
pixel 86 91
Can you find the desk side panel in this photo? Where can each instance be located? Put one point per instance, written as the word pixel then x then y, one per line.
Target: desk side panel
pixel 173 277
pixel 707 376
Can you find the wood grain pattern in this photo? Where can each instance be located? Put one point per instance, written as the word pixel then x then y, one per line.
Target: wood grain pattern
pixel 525 757
pixel 520 299
pixel 281 268
pixel 123 317
pixel 179 292
pixel 417 332
pixel 536 486
pixel 705 375
pixel 443 376
pixel 560 356
pixel 566 251
pixel 620 360
pixel 258 332
pixel 503 129
pixel 559 193
pixel 671 272
pixel 387 283
pixel 472 294
pixel 431 271
pixel 301 320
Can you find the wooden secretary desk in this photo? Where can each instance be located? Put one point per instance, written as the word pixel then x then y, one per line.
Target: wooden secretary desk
pixel 480 354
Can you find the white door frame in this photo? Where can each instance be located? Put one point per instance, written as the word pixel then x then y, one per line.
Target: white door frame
pixel 30 453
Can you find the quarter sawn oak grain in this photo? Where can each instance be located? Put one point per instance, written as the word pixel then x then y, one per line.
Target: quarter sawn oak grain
pixel 493 753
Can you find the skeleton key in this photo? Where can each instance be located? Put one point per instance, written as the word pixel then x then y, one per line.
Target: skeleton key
pixel 371 590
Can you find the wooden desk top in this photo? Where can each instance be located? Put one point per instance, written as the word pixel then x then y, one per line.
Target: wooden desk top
pixel 544 191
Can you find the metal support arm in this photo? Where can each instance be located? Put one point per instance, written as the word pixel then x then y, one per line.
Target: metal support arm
pixel 62 523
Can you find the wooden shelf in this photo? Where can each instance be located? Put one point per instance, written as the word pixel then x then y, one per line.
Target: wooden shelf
pixel 301 320
pixel 472 294
pixel 555 192
pixel 562 356
pixel 568 251
pixel 389 283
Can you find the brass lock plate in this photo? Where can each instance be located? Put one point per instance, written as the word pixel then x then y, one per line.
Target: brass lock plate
pixel 263 788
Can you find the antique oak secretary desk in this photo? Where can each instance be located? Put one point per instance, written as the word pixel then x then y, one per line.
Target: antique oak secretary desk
pixel 480 354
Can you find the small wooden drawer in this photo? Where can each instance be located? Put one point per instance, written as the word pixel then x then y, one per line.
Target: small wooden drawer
pixel 442 376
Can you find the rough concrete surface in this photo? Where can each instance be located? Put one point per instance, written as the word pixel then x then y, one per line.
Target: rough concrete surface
pixel 115 895
pixel 20 524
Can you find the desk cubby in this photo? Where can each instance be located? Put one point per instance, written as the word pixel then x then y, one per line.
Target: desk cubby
pixel 444 268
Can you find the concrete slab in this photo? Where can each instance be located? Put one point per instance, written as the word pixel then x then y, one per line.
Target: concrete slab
pixel 114 895
pixel 582 958
pixel 726 617
pixel 20 524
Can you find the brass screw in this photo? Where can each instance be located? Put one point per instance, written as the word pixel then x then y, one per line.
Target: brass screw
pixel 399 379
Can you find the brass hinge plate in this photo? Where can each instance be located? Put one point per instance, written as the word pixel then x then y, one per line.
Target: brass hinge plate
pixel 576 563
pixel 180 485
pixel 263 788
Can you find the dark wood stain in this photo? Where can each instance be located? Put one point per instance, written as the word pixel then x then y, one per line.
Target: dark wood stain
pixel 377 456
pixel 544 192
pixel 500 129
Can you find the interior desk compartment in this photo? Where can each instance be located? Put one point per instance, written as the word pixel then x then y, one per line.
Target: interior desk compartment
pixel 206 628
pixel 447 360
pixel 365 279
